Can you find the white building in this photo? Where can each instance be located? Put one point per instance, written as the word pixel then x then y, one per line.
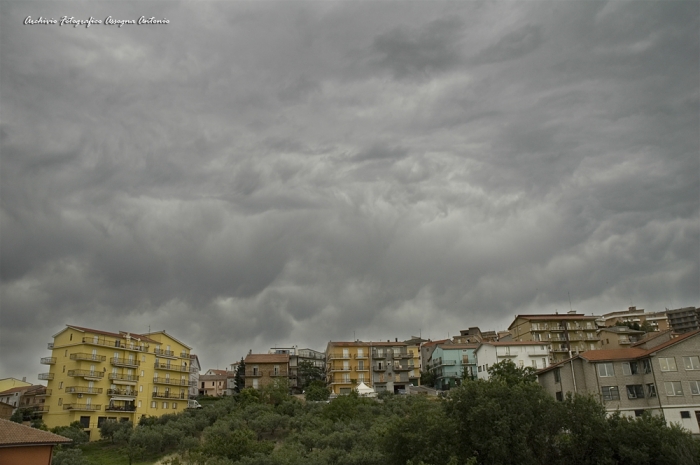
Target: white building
pixel 524 354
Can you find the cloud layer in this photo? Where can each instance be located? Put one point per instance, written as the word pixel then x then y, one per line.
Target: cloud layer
pixel 253 175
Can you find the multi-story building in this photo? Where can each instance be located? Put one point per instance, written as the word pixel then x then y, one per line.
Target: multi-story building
pixel 34 398
pixel 450 363
pixel 567 334
pixel 297 357
pixel 96 375
pixel 9 383
pixel 660 377
pixel 522 354
pixel 383 366
pixel 14 395
pixel 413 346
pixel 264 369
pixel 195 368
pixel 684 319
pixel 657 320
pixel 618 337
pixel 213 383
pixel 426 351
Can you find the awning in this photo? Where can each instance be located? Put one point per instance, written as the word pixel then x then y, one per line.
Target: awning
pixel 128 399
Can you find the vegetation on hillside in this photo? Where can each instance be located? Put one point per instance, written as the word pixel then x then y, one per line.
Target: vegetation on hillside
pixel 507 420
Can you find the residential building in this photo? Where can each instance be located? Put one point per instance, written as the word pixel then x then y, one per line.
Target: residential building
pixel 684 319
pixel 195 368
pixel 9 383
pixel 427 349
pixel 23 445
pixel 264 369
pixel 96 375
pixel 34 398
pixel 474 335
pixel 6 411
pixel 618 337
pixel 413 346
pixel 450 363
pixel 14 395
pixel 296 357
pixel 567 334
pixel 657 320
pixel 522 354
pixel 213 383
pixel 663 379
pixel 347 365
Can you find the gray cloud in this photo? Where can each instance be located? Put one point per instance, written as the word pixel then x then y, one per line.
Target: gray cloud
pixel 259 174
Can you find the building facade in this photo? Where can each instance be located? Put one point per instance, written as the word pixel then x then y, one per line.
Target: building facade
pixel 450 363
pixel 213 383
pixel 264 369
pixel 96 375
pixel 195 368
pixel 663 379
pixel 522 354
pixel 618 337
pixel 567 334
pixel 684 319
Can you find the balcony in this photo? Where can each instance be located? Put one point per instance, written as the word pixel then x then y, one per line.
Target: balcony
pixel 561 350
pixel 379 367
pixel 173 382
pixel 362 356
pixel 46 393
pixel 282 374
pixel 254 374
pixel 402 354
pixel 50 345
pixel 378 354
pixel 194 370
pixel 168 395
pixel 113 343
pixel 87 374
pixel 121 392
pixel 46 376
pixel 362 368
pixel 120 408
pixel 48 361
pixel 164 353
pixel 337 369
pixel 557 328
pixel 167 366
pixel 83 390
pixel 118 378
pixel 88 357
pixel 403 367
pixel 41 409
pixel 184 355
pixel 345 381
pixel 124 362
pixel 86 407
pixel 339 356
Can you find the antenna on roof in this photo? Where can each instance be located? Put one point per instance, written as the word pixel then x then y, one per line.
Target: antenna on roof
pixel 567 293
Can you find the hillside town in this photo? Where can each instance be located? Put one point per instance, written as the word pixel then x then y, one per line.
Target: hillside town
pixel 633 361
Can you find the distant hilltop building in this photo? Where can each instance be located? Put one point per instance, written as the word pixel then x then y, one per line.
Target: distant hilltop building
pixel 656 320
pixel 685 319
pixel 97 375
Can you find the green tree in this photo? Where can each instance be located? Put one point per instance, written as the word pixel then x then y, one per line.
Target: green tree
pixel 69 457
pixel 240 376
pixel 317 391
pixel 507 372
pixel 308 373
pixel 427 378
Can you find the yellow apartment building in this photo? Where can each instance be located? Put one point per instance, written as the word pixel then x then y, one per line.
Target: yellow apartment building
pixel 347 365
pixel 567 334
pixel 96 375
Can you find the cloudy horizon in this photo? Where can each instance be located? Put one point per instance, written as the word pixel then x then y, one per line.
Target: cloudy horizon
pixel 265 174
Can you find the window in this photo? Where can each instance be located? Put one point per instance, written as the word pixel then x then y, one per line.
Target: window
pixel 60 385
pixel 611 393
pixel 691 363
pixel 141 388
pixel 560 396
pixel 629 368
pixel 174 405
pixel 153 404
pixel 646 366
pixel 60 401
pixel 165 405
pixel 695 388
pixel 100 421
pixel 638 413
pixel 605 370
pixel 673 388
pixel 651 390
pixel 685 414
pixel 668 364
pixel 635 391
pixel 139 404
pixel 85 422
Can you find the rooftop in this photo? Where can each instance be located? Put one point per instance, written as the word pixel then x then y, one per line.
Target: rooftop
pixel 14 434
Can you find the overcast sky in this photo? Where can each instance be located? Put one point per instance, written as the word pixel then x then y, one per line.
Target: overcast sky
pixel 256 174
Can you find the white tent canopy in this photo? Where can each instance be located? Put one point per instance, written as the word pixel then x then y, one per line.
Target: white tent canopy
pixel 364 390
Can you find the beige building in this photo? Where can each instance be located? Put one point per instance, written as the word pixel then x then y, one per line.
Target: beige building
pixel 264 369
pixel 661 376
pixel 96 375
pixel 567 334
pixel 657 320
pixel 619 337
pixel 213 383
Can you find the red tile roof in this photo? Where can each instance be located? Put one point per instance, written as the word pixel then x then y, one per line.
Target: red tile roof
pixel 14 434
pixel 120 334
pixel 15 389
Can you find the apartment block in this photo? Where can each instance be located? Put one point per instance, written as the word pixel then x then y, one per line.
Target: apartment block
pixel 619 337
pixel 663 379
pixel 299 356
pixel 684 319
pixel 522 354
pixel 96 375
pixel 657 320
pixel 450 363
pixel 264 369
pixel 213 383
pixel 567 334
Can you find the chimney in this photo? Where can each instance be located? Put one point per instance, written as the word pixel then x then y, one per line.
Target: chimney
pixel 396 339
pixel 24 379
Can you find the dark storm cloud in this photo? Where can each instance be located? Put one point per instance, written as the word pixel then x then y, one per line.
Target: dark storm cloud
pixel 290 173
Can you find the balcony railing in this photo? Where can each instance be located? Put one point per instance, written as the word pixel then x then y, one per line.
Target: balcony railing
pixel 121 392
pixel 403 367
pixel 83 390
pixel 339 356
pixel 41 409
pixel 47 392
pixel 46 376
pixel 165 366
pixel 121 377
pixel 379 367
pixel 335 369
pixel 378 354
pixel 86 374
pixel 344 381
pixel 48 361
pixel 184 355
pixel 193 370
pixel 362 368
pixel 254 374
pixel 88 407
pixel 124 362
pixel 113 343
pixel 50 345
pixel 175 382
pixel 168 395
pixel 89 357
pixel 278 373
pixel 362 356
pixel 120 408
pixel 164 353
